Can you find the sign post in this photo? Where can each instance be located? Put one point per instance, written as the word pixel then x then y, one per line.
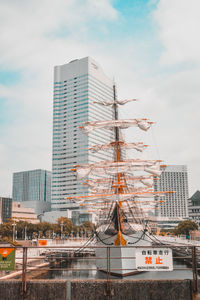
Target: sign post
pixel 7 259
pixel 154 259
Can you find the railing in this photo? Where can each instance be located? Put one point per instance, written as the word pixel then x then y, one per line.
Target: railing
pixel 189 254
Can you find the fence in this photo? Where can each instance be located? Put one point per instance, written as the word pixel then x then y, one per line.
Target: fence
pixel 189 254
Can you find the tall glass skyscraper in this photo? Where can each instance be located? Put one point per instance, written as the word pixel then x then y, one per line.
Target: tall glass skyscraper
pixel 76 86
pixel 34 185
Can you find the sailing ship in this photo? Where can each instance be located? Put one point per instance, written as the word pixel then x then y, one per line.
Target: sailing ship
pixel 121 193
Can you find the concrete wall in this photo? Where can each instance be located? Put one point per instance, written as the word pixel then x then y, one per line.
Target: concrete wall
pixel 97 290
pixel 131 290
pixel 36 290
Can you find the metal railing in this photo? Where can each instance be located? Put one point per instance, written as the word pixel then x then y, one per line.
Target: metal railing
pixel 190 255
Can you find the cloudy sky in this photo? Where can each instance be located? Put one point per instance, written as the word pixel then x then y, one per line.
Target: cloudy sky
pixel 150 47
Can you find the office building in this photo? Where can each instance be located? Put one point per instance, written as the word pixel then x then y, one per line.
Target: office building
pixel 173 178
pixel 33 189
pixel 194 207
pixel 5 209
pixel 76 86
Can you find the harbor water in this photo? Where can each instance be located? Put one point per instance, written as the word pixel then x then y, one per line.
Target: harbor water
pixel 89 271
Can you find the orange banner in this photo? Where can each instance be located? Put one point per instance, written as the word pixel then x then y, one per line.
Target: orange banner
pixel 42 242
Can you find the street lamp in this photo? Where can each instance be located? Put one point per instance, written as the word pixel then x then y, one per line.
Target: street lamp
pixel 14 225
pixel 25 228
pixel 61 225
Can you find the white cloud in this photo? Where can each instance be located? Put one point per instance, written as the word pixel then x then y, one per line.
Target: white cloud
pixel 179 24
pixel 36 35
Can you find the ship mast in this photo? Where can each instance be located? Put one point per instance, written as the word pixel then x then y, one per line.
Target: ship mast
pixel 119 240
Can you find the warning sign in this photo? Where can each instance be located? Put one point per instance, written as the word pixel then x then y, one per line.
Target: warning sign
pixel 154 259
pixel 7 258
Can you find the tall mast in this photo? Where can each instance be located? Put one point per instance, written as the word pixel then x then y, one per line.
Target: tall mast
pixel 118 191
pixel 115 114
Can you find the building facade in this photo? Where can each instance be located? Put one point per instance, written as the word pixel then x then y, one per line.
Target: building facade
pixel 76 86
pixel 5 209
pixel 173 178
pixel 21 213
pixel 194 207
pixel 34 185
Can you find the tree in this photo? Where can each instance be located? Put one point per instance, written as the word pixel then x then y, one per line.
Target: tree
pixel 6 229
pixel 88 226
pixel 67 224
pixel 43 228
pixel 20 227
pixel 185 227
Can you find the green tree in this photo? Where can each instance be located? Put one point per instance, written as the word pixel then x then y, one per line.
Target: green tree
pixel 185 227
pixel 67 225
pixel 20 227
pixel 6 229
pixel 43 228
pixel 89 226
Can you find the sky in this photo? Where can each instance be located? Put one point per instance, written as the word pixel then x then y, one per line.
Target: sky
pixel 150 47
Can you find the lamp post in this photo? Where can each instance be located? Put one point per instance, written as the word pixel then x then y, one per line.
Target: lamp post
pixel 14 225
pixel 84 230
pixel 61 225
pixel 25 228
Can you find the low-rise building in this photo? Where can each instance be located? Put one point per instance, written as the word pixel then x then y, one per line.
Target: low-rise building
pixel 78 216
pixel 195 235
pixel 53 216
pixel 164 223
pixel 21 213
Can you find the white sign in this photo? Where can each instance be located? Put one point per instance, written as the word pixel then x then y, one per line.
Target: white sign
pixel 154 259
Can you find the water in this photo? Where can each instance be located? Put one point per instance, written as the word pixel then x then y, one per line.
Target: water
pixel 84 263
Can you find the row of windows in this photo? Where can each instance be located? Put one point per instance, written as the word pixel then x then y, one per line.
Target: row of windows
pixel 67 97
pixel 67 106
pixel 72 100
pixel 71 85
pixel 76 91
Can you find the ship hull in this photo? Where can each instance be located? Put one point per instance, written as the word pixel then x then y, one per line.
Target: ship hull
pixel 122 258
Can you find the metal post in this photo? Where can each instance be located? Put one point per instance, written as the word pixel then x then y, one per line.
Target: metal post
pixel 24 272
pixel 25 237
pixel 14 232
pixel 61 224
pixel 108 287
pixel 194 270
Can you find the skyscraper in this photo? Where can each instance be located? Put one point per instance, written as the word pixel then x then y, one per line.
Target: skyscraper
pixel 173 178
pixel 33 188
pixel 76 86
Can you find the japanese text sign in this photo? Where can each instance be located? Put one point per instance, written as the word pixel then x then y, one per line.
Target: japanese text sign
pixel 154 259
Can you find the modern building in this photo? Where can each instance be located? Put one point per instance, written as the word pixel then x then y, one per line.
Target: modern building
pixel 53 216
pixel 194 207
pixel 79 217
pixel 5 209
pixel 21 213
pixel 33 189
pixel 76 86
pixel 173 178
pixel 158 224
